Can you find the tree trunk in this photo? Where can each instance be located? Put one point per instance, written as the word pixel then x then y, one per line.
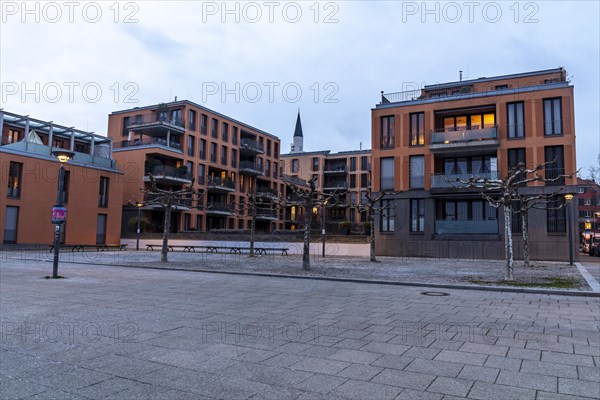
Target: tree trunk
pixel 306 248
pixel 525 222
pixel 508 245
pixel 166 229
pixel 372 236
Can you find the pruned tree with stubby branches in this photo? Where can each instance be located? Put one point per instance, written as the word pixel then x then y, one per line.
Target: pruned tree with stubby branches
pixel 503 192
pixel 308 199
pixel 372 206
pixel 167 199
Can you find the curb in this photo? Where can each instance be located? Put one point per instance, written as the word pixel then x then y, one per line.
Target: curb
pixel 506 289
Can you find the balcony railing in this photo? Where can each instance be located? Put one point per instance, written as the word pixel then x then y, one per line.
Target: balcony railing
pixel 252 145
pixel 335 185
pixel 147 142
pixel 293 180
pixel 251 166
pixel 556 174
pixel 153 119
pixel 466 227
pixel 164 171
pixel 221 208
pixel 267 192
pixel 294 199
pixel 263 213
pixel 152 199
pixel 215 182
pixel 335 169
pixel 454 180
pixel 445 136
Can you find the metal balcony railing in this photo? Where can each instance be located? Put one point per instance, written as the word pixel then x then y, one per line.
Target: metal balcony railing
pixel 466 134
pixel 466 227
pixel 171 172
pixel 251 165
pixel 218 182
pixel 219 207
pixel 454 180
pixel 147 142
pixel 152 119
pixel 250 144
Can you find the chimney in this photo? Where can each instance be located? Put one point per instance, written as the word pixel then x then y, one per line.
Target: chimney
pixel 460 75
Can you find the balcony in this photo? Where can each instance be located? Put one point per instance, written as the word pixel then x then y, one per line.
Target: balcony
pixel 250 168
pixel 466 227
pixel 169 175
pixel 219 209
pixel 467 140
pixel 155 202
pixel 78 157
pixel 293 180
pixel 556 176
pixel 442 181
pixel 335 169
pixel 156 125
pixel 294 199
pixel 267 193
pixel 218 184
pixel 149 142
pixel 263 214
pixel 251 147
pixel 335 185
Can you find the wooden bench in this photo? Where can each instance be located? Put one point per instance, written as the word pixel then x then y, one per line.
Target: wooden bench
pixel 83 247
pixel 215 249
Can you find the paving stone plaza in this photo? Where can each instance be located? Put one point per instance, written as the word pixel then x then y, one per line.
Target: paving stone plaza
pixel 111 332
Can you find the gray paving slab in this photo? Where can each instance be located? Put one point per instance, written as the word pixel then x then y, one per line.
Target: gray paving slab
pixel 125 333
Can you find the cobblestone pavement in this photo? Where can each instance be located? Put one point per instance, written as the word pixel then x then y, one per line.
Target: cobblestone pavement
pixel 123 333
pixel 413 270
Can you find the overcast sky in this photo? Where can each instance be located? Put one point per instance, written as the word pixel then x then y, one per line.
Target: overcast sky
pixel 259 62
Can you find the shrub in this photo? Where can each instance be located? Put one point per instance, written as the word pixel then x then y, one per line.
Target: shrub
pixel 145 225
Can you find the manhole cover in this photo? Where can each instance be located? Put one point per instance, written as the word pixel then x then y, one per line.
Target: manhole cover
pixel 435 293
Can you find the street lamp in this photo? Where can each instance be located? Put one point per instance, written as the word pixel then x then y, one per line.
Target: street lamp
pixel 59 212
pixel 323 226
pixel 139 206
pixel 568 198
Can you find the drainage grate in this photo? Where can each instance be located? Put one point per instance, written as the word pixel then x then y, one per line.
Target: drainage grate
pixel 435 294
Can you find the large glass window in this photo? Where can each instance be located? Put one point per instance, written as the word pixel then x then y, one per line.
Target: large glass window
pixel 417 215
pixel 213 152
pixel 315 164
pixel 352 164
pixel 191 143
pixel 552 117
pixel 203 123
pixel 15 172
pixel 417 130
pixel 387 132
pixel 225 131
pixel 417 172
pixel 387 216
pixel 555 156
pixel 387 173
pixel 515 120
pixel 556 216
pixel 201 173
pixel 103 192
pixel 202 149
pixel 294 166
pixel 192 120
pixel 214 128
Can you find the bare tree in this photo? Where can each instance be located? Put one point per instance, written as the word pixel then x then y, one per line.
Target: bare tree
pixel 308 199
pixel 373 207
pixel 167 199
pixel 502 192
pixel 594 173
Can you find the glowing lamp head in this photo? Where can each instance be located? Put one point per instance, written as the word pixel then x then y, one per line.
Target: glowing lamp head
pixel 568 197
pixel 63 155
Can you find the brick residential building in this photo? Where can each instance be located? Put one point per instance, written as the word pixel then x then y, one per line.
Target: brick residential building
pixel 588 197
pixel 424 140
pixel 181 140
pixel 93 185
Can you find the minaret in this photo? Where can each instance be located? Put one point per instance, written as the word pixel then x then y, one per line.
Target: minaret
pixel 298 143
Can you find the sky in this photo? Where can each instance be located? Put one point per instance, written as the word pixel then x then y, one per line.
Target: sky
pixel 260 62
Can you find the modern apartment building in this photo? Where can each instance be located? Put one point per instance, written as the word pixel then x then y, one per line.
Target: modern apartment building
pixel 181 140
pixel 425 140
pixel 343 171
pixel 588 196
pixel 92 189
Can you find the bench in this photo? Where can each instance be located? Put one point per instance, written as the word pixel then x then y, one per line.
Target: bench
pixel 215 249
pixel 83 247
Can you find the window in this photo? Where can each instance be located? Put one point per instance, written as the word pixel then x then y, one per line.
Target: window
pixel 15 174
pixel 190 169
pixel 515 156
pixel 556 216
pixel 126 123
pixel 176 117
pixel 352 181
pixel 268 147
pixel 417 172
pixel 581 189
pixel 387 132
pixel 203 123
pixel 364 180
pixel 234 135
pixel 387 173
pixel 500 87
pixel 213 152
pixel 295 166
pixel 363 198
pixel 417 215
pixel 103 192
pixel 202 149
pixel 13 136
pixel 267 168
pixel 66 186
pixel 352 164
pixel 192 120
pixel 417 130
pixel 225 131
pixel 587 202
pixel 517 218
pixel 552 117
pixel 201 174
pixel 187 222
pixel 587 214
pixel 101 229
pixel 234 158
pixel 191 145
pixel 516 120
pixel 315 163
pixel 386 223
pixel 352 199
pixel 11 221
pixel 276 150
pixel 554 155
pixel 215 128
pixel 364 163
pixel 465 210
pixel 223 155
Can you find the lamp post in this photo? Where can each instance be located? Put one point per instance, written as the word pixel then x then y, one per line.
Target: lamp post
pixel 323 227
pixel 139 206
pixel 59 212
pixel 568 198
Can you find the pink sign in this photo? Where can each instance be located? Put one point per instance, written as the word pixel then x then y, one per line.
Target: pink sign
pixel 59 215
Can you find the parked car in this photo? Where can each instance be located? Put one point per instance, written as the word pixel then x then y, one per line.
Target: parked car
pixel 594 246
